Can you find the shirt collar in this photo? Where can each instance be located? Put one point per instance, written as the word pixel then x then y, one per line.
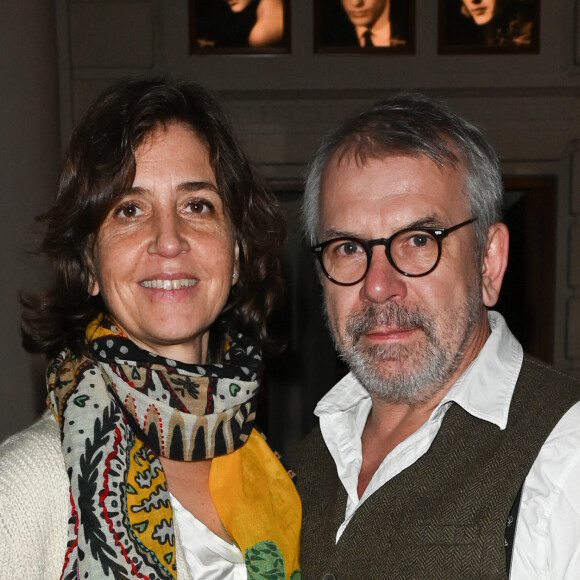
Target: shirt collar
pixel 484 390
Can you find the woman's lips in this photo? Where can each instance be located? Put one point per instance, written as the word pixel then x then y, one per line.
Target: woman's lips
pixel 169 284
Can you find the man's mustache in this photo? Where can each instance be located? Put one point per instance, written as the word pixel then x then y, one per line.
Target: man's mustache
pixel 392 315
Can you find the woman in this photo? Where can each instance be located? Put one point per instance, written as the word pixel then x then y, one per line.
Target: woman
pixel 239 23
pixel 165 246
pixel 491 23
pixel 268 26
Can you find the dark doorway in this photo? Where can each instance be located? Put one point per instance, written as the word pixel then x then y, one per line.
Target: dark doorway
pixel 527 297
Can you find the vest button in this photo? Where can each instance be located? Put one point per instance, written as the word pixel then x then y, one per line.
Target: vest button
pixel 329 577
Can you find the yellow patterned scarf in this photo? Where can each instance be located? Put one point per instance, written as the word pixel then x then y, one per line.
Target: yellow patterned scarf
pixel 121 410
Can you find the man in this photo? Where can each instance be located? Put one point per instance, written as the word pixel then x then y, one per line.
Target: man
pixel 423 449
pixel 369 23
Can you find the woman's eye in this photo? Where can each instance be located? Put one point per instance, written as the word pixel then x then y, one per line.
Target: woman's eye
pixel 128 210
pixel 199 206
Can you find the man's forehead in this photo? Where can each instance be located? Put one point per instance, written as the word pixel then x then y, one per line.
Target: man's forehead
pixel 358 161
pixel 406 184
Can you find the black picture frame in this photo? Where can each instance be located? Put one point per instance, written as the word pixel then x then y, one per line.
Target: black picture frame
pixel 335 33
pixel 513 29
pixel 218 27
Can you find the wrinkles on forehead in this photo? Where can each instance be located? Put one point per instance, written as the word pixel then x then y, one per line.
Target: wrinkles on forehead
pixel 362 147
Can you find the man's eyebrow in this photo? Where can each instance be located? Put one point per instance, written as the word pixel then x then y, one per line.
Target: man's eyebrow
pixel 423 222
pixel 331 233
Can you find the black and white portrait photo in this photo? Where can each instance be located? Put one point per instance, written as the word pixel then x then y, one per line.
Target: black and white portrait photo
pixel 488 25
pixel 239 26
pixel 364 25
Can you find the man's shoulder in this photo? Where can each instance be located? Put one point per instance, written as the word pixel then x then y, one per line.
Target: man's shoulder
pixel 311 455
pixel 309 445
pixel 543 395
pixel 535 372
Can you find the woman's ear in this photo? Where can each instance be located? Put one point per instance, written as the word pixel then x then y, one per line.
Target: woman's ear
pixel 236 272
pixel 495 262
pixel 94 288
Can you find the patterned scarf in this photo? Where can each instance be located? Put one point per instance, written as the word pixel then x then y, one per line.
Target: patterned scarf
pixel 119 414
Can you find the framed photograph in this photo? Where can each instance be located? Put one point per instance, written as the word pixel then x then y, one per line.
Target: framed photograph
pixel 489 26
pixel 369 26
pixel 239 26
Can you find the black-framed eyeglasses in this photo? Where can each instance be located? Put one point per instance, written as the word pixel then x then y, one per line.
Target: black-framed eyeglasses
pixel 412 252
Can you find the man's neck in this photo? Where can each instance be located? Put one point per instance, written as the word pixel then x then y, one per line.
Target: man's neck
pixel 387 425
pixel 390 423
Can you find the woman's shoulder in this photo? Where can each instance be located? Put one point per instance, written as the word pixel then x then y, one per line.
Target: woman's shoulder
pixel 38 443
pixel 34 501
pixel 32 466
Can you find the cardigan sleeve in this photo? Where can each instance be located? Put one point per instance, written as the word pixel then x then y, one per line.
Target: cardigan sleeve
pixel 34 503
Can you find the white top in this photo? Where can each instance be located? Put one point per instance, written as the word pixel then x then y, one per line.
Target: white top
pixel 547 540
pixel 208 556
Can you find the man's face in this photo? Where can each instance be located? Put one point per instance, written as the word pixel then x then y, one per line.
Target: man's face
pixel 364 12
pixel 404 338
pixel 238 5
pixel 480 10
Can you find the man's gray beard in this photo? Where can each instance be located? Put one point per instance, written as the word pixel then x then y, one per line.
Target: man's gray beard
pixel 433 365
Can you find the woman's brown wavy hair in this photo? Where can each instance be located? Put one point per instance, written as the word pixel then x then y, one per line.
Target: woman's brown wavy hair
pixel 99 167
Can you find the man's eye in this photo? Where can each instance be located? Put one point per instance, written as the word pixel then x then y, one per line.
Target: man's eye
pixel 419 240
pixel 348 248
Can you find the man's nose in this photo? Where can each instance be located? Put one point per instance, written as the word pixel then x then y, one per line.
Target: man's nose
pixel 382 281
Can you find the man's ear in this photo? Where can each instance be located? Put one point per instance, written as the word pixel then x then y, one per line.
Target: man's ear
pixel 495 262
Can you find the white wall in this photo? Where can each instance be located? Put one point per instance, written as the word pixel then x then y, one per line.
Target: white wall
pixel 29 158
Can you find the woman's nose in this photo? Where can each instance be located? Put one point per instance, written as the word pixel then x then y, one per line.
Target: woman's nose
pixel 168 236
pixel 382 282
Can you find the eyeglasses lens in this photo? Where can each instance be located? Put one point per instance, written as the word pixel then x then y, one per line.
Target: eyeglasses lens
pixel 413 252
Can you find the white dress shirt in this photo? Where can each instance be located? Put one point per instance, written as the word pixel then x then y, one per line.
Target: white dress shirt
pixel 547 540
pixel 208 556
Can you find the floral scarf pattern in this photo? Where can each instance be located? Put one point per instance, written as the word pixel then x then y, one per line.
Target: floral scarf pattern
pixel 123 408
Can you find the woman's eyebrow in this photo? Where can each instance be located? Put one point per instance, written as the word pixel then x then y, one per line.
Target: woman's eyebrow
pixel 193 186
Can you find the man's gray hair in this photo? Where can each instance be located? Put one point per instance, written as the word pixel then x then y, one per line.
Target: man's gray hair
pixel 413 124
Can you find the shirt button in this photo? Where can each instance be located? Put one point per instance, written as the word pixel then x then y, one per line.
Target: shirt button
pixel 329 577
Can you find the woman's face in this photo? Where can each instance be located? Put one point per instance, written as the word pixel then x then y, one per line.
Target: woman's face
pixel 165 255
pixel 480 10
pixel 238 5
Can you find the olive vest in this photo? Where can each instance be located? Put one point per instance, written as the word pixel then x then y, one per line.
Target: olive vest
pixel 444 517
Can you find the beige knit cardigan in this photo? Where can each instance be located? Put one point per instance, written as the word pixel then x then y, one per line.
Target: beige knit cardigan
pixel 35 505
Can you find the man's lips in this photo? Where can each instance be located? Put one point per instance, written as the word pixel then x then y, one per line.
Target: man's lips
pixel 390 333
pixel 358 15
